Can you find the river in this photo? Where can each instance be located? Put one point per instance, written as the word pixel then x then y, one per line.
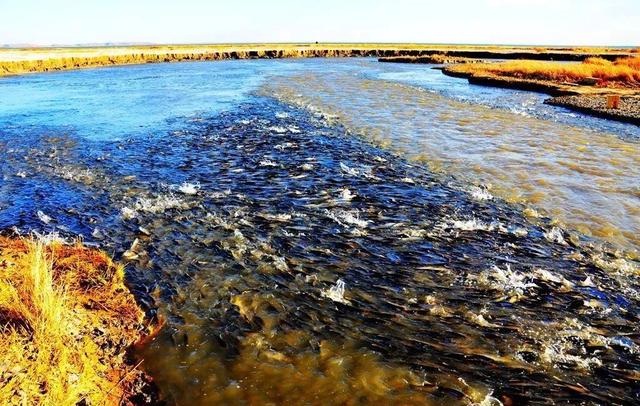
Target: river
pixel 339 231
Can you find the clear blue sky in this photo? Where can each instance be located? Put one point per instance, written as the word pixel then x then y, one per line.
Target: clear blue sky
pixel 571 22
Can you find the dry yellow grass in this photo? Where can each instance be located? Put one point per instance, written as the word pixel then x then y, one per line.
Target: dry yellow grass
pixel 622 73
pixel 19 61
pixel 65 319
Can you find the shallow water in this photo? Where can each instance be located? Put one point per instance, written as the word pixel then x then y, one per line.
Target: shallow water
pixel 568 167
pixel 297 263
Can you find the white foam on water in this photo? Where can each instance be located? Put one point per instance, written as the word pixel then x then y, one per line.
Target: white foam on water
pixel 280 263
pixel 587 282
pixel 237 244
pixel 518 231
pixel 531 212
pixel 549 276
pixel 219 195
pixel 278 129
pixel 345 217
pixel 472 225
pixel 557 354
pixel 507 281
pixel 596 307
pixel 562 344
pixel 43 217
pixel 49 238
pixel 217 220
pixel 555 235
pixel 480 320
pixel 620 266
pixel 268 163
pixel 312 278
pixel 346 195
pixel 286 145
pixel 348 170
pixel 282 115
pixel 480 194
pixel 97 233
pixel 284 217
pixel 336 292
pixel 128 213
pixel 159 204
pixel 412 233
pixel 71 173
pixel 489 400
pixel 189 188
pixel 475 224
pixel 367 172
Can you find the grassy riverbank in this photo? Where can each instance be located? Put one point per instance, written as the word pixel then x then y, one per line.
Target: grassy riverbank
pixel 66 320
pixel 623 73
pixel 586 87
pixel 19 61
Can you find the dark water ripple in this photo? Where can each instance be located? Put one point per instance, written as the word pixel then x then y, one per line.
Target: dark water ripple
pixel 250 222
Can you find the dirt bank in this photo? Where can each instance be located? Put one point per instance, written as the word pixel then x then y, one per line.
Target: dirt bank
pixel 551 88
pixel 429 59
pixel 18 61
pixel 67 320
pixel 581 87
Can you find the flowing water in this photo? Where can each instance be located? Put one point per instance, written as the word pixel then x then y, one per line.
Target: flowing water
pixel 342 231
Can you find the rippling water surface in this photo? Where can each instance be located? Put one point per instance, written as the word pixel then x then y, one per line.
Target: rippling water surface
pixel 342 231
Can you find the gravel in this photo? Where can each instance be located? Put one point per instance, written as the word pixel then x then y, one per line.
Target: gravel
pixel 628 111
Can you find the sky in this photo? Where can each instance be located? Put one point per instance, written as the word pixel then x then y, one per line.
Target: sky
pixel 537 22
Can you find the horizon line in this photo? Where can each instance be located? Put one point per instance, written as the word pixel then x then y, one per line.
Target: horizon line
pixel 108 44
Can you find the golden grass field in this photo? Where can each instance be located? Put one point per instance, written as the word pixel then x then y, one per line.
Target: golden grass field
pixel 65 320
pixel 623 73
pixel 17 54
pixel 18 61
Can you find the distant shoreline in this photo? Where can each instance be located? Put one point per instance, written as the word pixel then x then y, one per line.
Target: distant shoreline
pixel 578 91
pixel 40 60
pixel 32 60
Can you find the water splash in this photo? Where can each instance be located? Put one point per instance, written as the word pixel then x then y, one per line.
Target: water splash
pixel 336 292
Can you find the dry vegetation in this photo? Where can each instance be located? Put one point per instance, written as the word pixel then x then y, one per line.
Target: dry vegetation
pixel 154 56
pixel 65 321
pixel 18 61
pixel 622 73
pixel 429 59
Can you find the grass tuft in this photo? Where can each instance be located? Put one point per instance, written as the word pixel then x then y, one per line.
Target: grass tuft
pixel 65 320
